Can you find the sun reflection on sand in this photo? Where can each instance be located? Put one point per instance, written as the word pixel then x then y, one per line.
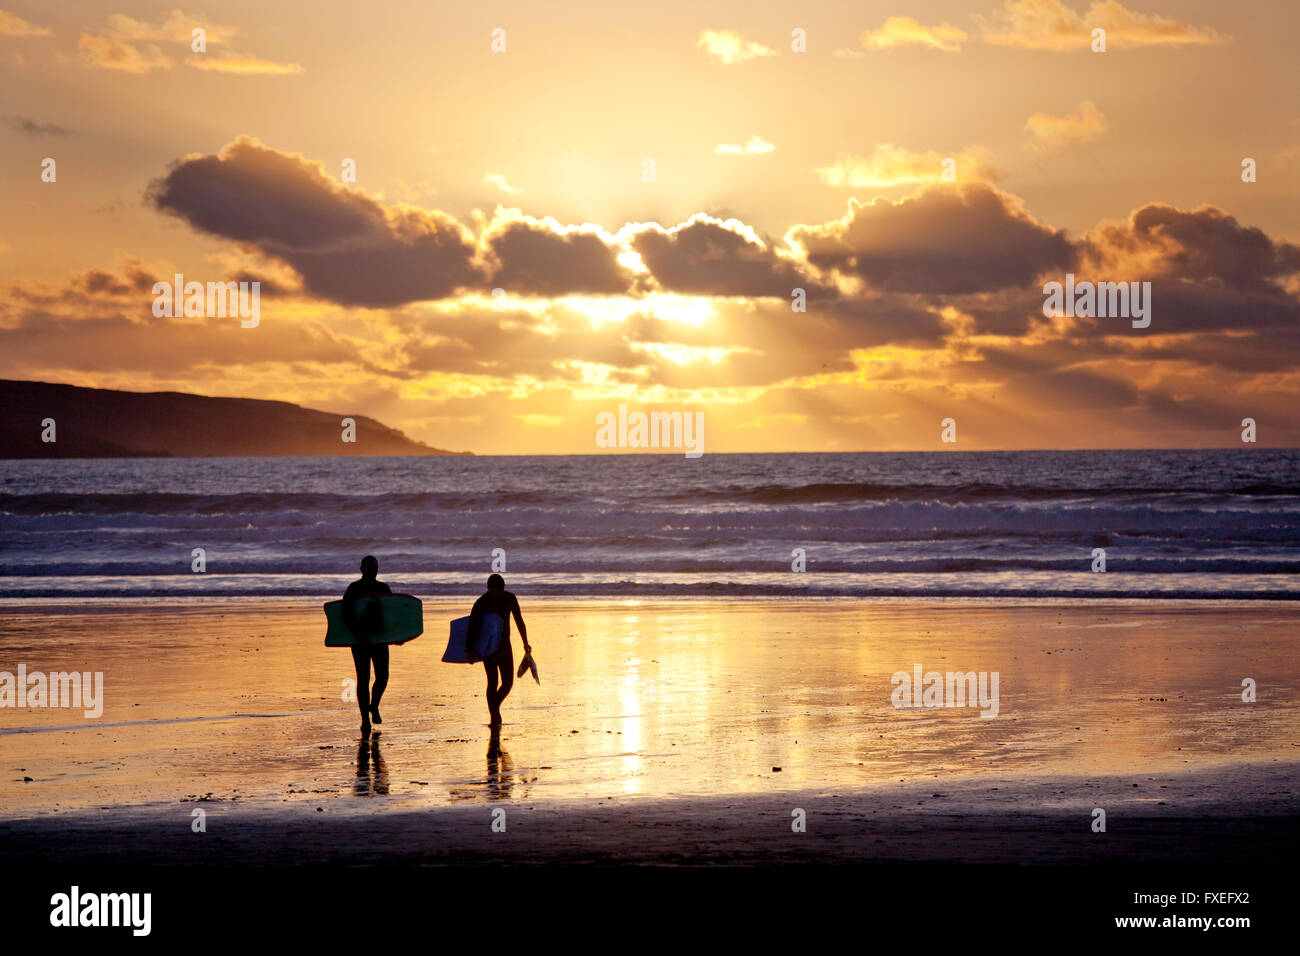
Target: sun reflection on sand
pixel 644 698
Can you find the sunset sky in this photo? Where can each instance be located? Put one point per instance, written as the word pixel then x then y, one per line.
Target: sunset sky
pixel 525 170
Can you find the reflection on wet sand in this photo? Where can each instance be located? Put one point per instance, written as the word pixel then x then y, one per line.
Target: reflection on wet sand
pixel 501 782
pixel 500 768
pixel 654 699
pixel 372 774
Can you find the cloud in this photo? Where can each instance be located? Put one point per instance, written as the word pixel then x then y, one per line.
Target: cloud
pixel 1203 245
pixel 744 343
pixel 351 249
pixel 1051 25
pixel 1223 294
pixel 941 288
pixel 499 181
pixel 871 321
pixel 1251 354
pixel 946 239
pixel 755 145
pixel 891 165
pixel 130 45
pixel 551 343
pixel 1226 327
pixel 904 31
pixel 87 290
pixel 176 27
pixel 730 47
pixel 1010 313
pixel 106 53
pixel 346 246
pixel 12 25
pixel 102 321
pixel 542 257
pixel 1050 134
pixel 30 127
pixel 229 62
pixel 1045 379
pixel 707 256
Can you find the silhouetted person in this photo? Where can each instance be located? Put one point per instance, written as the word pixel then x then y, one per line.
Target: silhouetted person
pixel 500 665
pixel 370 621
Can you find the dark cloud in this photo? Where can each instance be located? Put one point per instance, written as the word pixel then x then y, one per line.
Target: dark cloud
pixel 946 239
pixel 1206 325
pixel 421 256
pixel 704 256
pixel 886 320
pixel 97 282
pixel 30 127
pixel 85 290
pixel 1182 306
pixel 1209 275
pixel 1252 354
pixel 267 287
pixel 538 258
pixel 255 194
pixel 1201 245
pixel 346 246
pixel 1012 312
pixel 350 249
pixel 1084 388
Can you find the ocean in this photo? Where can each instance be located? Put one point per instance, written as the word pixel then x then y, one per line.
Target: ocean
pixel 1217 524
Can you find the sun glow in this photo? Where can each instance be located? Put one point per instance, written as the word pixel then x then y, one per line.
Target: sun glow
pixel 689 310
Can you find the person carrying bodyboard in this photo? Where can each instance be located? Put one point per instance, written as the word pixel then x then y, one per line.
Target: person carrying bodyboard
pixel 364 653
pixel 500 663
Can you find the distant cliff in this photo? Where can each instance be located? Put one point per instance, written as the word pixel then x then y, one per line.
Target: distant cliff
pixel 106 423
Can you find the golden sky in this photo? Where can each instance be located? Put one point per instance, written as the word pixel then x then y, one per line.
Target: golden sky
pixel 647 185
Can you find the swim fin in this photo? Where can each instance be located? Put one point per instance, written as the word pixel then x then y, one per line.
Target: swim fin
pixel 527 664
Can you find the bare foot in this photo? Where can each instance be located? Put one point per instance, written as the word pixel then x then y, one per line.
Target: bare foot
pixel 374 713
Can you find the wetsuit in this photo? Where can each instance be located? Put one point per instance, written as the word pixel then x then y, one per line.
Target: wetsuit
pixel 502 662
pixel 364 653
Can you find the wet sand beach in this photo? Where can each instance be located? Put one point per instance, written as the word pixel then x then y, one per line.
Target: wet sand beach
pixel 663 730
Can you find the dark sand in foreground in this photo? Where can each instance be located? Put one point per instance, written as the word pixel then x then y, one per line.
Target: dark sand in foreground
pixel 1232 814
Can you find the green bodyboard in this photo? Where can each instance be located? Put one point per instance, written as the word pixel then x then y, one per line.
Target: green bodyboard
pixel 403 619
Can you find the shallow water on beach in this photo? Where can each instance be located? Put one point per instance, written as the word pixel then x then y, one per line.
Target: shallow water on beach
pixel 239 701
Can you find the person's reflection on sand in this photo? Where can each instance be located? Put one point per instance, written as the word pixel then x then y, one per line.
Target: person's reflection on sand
pixel 372 775
pixel 500 768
